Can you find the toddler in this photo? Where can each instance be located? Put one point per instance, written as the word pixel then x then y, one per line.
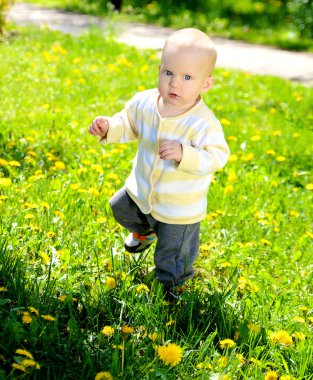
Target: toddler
pixel 180 145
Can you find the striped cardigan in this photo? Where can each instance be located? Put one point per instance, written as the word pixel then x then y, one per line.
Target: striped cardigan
pixel 172 193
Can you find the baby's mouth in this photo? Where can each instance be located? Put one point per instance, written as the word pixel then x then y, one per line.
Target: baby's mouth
pixel 173 95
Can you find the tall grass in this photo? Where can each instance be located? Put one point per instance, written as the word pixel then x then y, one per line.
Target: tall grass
pixel 64 274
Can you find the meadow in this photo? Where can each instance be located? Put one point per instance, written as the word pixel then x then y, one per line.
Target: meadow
pixel 73 303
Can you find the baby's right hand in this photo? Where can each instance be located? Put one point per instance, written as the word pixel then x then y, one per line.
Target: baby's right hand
pixel 99 127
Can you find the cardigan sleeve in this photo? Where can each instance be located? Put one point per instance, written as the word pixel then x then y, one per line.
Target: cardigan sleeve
pixel 207 155
pixel 122 127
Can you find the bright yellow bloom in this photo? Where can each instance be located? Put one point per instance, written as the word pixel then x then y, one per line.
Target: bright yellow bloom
pixel 227 343
pixel 45 258
pixel 48 317
pixel 14 163
pixel 232 158
pixel 298 319
pixel 19 367
pixel 248 157
pixel 153 336
pixel 265 242
pixel 3 289
pixel 282 337
pixel 30 363
pixel 5 182
pixel 110 282
pixel 256 138
pixel 107 330
pixel 228 189
pixel 281 158
pixel 20 351
pixel 309 186
pixel 3 162
pixel 127 329
pixel 142 288
pixel 26 318
pixel 51 234
pixel 271 375
pixel 225 121
pixel 103 376
pixel 299 336
pixel 170 354
pixel 33 310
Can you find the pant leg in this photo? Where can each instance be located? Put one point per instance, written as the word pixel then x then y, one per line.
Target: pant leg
pixel 127 213
pixel 176 251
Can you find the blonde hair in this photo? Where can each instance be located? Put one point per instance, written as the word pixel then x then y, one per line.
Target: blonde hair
pixel 190 37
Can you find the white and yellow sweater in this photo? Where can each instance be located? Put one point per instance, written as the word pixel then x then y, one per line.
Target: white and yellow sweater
pixel 172 193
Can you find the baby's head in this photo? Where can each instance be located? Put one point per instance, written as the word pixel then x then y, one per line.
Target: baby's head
pixel 195 43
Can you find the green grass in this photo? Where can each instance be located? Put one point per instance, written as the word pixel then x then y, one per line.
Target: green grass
pixel 228 21
pixel 61 252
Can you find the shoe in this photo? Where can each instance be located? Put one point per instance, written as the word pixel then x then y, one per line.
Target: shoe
pixel 137 243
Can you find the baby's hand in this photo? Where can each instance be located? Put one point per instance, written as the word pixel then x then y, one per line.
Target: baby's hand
pixel 99 127
pixel 171 150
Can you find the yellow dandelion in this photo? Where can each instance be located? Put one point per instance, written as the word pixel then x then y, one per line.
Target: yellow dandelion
pixel 19 367
pixel 309 234
pixel 228 189
pixel 82 170
pixel 265 242
pixel 62 298
pixel 225 122
pixel 14 163
pixel 227 343
pixel 256 138
pixel 277 133
pixel 107 330
pixel 170 354
pixel 30 363
pixel 101 219
pixel 299 336
pixel 110 282
pixel 247 157
pixel 281 337
pixel 271 375
pixel 298 319
pixel 141 88
pixel 232 138
pixel 5 182
pixel 232 177
pixel 59 214
pixel 104 375
pixel 270 152
pixel 33 310
pixel 51 234
pixel 45 258
pixel 281 158
pixel 3 162
pixel 3 289
pixel 127 329
pixel 294 213
pixel 98 168
pixel 142 288
pixel 232 158
pixel 153 336
pixel 48 317
pixel 20 351
pixel 26 318
pixel 309 186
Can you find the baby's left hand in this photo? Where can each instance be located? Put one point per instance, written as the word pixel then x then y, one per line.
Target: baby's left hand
pixel 171 150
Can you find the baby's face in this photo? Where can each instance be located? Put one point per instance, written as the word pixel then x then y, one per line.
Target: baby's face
pixel 183 76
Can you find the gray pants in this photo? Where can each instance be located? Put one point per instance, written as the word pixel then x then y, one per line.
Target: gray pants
pixel 177 245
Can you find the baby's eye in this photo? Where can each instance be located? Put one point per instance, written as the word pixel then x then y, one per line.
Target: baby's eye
pixel 187 77
pixel 168 73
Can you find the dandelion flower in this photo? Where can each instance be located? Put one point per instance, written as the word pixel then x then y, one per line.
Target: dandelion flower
pixel 19 367
pixel 142 288
pixel 298 319
pixel 127 329
pixel 107 330
pixel 3 289
pixel 309 186
pixel 103 376
pixel 227 343
pixel 153 336
pixel 110 282
pixel 299 336
pixel 5 182
pixel 48 317
pixel 30 363
pixel 26 318
pixel 170 354
pixel 20 351
pixel 282 337
pixel 271 375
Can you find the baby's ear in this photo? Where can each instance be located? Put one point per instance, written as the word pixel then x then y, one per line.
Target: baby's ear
pixel 207 84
